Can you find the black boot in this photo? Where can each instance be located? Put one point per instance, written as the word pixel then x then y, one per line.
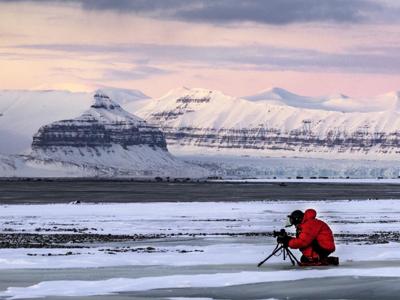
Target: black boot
pixel 333 260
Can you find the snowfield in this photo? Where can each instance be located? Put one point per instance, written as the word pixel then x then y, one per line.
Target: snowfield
pixel 355 216
pixel 191 245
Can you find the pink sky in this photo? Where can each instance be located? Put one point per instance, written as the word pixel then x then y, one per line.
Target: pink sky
pixel 47 45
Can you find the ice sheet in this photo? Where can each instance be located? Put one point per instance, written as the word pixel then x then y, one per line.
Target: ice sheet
pixel 104 287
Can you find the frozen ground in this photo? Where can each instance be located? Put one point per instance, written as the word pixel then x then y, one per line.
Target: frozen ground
pixel 192 250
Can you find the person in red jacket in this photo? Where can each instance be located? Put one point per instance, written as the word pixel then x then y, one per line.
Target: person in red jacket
pixel 314 238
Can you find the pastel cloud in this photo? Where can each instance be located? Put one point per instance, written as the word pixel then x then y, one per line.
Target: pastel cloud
pixel 276 12
pixel 347 46
pixel 383 60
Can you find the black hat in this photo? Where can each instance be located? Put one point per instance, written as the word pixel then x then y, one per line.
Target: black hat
pixel 296 217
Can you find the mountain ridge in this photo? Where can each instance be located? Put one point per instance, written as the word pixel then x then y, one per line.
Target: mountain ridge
pixel 201 118
pixel 105 140
pixel 210 112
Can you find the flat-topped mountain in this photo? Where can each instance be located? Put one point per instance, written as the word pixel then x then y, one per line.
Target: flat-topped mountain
pixel 275 123
pixel 104 125
pixel 105 140
pixel 23 112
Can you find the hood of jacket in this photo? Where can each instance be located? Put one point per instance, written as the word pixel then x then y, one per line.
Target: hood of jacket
pixel 309 214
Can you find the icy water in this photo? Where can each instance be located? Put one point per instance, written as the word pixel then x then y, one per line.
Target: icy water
pixel 192 250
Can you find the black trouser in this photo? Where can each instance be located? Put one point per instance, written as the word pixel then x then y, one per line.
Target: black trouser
pixel 322 253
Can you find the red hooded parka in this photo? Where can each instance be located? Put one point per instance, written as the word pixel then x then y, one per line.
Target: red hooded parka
pixel 311 229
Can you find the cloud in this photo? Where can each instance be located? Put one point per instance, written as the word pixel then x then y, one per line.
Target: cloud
pixel 279 12
pixel 272 12
pixel 140 72
pixel 357 60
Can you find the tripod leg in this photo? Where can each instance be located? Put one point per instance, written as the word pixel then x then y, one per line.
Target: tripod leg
pixel 290 257
pixel 293 258
pixel 277 248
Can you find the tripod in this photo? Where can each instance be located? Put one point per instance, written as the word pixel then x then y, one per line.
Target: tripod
pixel 285 253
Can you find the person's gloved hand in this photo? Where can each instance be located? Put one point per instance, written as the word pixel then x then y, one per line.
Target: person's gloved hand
pixel 284 240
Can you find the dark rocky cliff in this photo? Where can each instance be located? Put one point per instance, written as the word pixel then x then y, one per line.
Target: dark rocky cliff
pixel 103 125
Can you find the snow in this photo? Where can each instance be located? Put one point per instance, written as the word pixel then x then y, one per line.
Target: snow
pixel 216 248
pixel 106 110
pixel 335 102
pixel 213 219
pixel 26 166
pixel 132 161
pixel 152 218
pixel 229 112
pixel 23 112
pixel 141 161
pixel 223 115
pixel 250 165
pixel 124 96
pixel 241 253
pixel 281 96
pixel 106 287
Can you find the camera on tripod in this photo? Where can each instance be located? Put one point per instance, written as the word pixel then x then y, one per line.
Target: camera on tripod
pixel 282 238
pixel 280 234
pixel 281 248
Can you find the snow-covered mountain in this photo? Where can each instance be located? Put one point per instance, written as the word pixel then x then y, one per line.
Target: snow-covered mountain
pixel 199 120
pixel 280 96
pixel 272 123
pixel 105 124
pixel 337 102
pixel 22 112
pixel 124 96
pixel 130 100
pixel 105 140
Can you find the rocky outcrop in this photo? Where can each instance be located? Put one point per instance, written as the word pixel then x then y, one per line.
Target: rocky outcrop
pixel 106 140
pixel 105 124
pixel 275 139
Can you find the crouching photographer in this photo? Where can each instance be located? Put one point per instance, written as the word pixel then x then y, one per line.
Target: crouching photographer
pixel 313 238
